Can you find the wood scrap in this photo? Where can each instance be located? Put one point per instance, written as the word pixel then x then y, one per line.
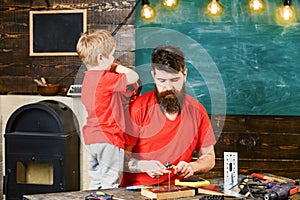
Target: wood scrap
pixel 163 192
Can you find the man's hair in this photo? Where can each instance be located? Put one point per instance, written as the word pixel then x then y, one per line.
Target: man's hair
pixel 168 58
pixel 92 43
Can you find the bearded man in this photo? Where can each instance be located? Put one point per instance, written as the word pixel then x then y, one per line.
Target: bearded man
pixel 167 126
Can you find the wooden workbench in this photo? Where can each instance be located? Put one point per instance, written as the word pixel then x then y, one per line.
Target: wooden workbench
pixel 120 193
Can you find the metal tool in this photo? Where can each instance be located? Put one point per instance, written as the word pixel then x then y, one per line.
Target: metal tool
pixel 98 195
pixel 281 191
pixel 230 169
pixel 169 166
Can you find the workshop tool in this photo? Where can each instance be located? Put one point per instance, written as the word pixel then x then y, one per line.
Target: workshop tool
pixel 212 197
pixel 99 196
pixel 167 191
pixel 135 187
pixel 192 182
pixel 264 177
pixel 263 185
pixel 169 167
pixel 281 191
pixel 230 170
pixel 231 174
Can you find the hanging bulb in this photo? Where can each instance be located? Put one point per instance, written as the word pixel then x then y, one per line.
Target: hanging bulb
pixel 256 6
pixel 214 8
pixel 147 13
pixel 170 4
pixel 287 13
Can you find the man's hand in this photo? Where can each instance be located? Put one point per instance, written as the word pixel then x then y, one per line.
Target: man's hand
pixel 204 163
pixel 153 168
pixel 184 169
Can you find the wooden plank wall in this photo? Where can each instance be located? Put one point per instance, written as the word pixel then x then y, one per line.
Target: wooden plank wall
pixel 18 69
pixel 269 144
pixel 265 144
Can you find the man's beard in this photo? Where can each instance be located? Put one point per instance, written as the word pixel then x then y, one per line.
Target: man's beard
pixel 170 101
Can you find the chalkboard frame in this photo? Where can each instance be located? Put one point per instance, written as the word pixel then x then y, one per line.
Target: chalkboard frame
pixel 40 21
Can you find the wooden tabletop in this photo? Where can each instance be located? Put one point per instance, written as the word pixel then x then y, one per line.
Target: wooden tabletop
pixel 121 194
pixel 118 193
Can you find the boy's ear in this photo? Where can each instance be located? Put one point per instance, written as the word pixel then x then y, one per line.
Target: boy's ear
pixel 99 58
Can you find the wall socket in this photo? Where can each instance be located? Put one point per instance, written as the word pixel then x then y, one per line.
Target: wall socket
pixel 230 169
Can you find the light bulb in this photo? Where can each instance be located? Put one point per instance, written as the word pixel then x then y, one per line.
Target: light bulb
pixel 147 12
pixel 257 6
pixel 170 4
pixel 214 8
pixel 287 13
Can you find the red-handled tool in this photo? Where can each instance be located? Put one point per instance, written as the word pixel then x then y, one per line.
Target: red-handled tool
pixel 264 177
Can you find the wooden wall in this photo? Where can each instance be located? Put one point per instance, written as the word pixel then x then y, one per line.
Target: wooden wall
pixel 268 144
pixel 265 144
pixel 18 69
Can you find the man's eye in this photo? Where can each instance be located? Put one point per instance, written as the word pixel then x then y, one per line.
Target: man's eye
pixel 175 80
pixel 161 80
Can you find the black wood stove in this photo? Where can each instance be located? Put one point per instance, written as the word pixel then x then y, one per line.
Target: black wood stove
pixel 41 150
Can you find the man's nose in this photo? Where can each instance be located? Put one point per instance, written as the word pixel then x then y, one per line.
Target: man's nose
pixel 168 85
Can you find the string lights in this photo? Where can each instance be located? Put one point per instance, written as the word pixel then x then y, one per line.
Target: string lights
pixel 147 12
pixel 214 8
pixel 170 4
pixel 285 13
pixel 256 6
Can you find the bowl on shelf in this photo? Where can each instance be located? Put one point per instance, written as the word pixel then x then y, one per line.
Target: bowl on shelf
pixel 48 90
pixel 64 91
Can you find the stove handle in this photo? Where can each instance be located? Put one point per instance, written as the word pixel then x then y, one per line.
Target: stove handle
pixel 5 181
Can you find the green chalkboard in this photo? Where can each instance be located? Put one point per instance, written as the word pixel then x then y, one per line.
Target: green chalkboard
pixel 239 63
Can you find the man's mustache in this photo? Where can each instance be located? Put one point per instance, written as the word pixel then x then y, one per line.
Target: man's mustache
pixel 166 93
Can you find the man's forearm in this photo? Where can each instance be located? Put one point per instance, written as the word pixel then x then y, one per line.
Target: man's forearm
pixel 204 163
pixel 129 162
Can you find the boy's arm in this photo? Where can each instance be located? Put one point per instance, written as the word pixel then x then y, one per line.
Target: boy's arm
pixel 131 75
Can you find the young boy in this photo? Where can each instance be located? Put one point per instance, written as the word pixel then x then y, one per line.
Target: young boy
pixel 102 94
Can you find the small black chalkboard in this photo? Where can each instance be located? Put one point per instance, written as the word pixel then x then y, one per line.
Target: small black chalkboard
pixel 56 32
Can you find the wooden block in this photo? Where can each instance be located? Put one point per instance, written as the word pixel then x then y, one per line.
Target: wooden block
pixel 162 192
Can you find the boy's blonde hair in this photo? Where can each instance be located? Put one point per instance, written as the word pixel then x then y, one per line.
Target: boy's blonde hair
pixel 92 43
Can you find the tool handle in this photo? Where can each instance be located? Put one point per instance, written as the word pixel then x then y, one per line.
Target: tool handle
pixel 261 176
pixel 294 191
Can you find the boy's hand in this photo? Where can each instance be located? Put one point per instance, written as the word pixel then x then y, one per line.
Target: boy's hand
pixel 114 66
pixel 116 61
